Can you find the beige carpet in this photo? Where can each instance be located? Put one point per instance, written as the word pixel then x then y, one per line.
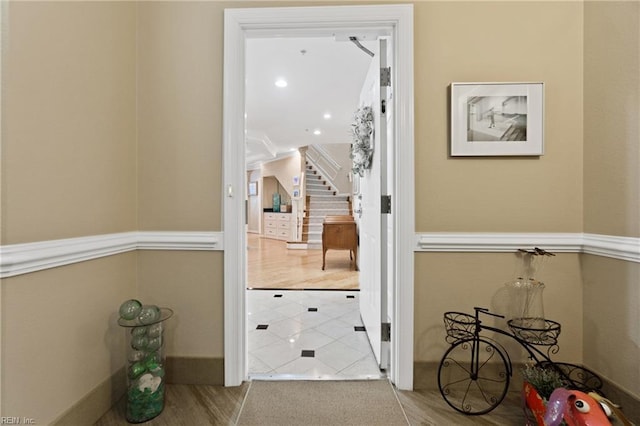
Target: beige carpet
pixel 369 402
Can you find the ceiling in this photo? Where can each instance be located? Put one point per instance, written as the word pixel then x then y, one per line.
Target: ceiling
pixel 323 76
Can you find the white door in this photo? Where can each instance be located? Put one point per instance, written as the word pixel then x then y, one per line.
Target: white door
pixel 372 223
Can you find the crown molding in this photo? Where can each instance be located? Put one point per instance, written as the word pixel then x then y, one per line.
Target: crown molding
pixel 18 259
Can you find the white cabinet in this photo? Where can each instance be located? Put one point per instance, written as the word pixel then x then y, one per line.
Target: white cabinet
pixel 278 225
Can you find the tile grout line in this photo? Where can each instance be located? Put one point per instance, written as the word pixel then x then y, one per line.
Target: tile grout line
pixel 321 301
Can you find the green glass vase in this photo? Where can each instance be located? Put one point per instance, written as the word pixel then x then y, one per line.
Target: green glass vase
pixel 145 362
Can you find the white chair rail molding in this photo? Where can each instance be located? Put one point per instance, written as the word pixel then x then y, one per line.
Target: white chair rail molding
pixel 622 248
pixel 17 259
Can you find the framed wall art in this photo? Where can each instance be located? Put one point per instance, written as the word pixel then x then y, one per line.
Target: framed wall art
pixel 253 188
pixel 495 119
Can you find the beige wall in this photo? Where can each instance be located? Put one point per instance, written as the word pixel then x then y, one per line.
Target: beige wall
pixel 69 153
pixel 612 188
pixel 180 116
pixel 612 320
pixel 191 284
pixel 497 194
pixel 60 337
pixel 612 118
pixel 460 281
pixel 68 169
pixel 283 170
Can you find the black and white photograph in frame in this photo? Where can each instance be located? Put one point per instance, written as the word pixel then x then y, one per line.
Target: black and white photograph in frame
pixel 494 119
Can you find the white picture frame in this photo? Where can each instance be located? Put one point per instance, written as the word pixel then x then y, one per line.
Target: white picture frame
pixel 497 119
pixel 253 188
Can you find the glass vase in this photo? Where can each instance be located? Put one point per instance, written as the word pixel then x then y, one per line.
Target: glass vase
pixel 526 302
pixel 145 363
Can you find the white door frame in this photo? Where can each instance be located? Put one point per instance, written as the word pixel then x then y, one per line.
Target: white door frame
pixel 308 21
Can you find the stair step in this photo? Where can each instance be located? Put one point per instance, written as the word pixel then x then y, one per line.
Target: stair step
pixel 312 227
pixel 322 200
pixel 318 186
pixel 329 198
pixel 329 205
pixel 318 219
pixel 318 192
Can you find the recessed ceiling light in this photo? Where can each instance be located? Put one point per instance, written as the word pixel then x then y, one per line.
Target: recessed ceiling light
pixel 281 82
pixel 317 132
pixel 327 115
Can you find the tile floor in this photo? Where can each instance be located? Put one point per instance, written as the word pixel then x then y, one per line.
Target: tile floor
pixel 308 334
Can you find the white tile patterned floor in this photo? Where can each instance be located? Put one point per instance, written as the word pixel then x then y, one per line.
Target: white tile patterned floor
pixel 307 320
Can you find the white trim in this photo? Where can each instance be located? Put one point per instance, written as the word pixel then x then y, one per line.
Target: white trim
pixel 17 259
pixel 234 181
pixel 496 242
pixel 622 248
pixel 302 21
pixel 403 201
pixel 171 240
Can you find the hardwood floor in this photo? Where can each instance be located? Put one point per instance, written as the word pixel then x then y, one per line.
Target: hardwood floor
pixel 272 265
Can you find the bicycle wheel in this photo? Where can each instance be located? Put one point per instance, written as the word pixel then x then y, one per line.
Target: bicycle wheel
pixel 468 392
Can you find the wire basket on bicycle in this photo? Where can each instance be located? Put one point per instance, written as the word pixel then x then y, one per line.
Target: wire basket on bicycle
pixel 459 326
pixel 536 331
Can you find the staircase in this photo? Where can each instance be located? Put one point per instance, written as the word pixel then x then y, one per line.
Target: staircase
pixel 321 201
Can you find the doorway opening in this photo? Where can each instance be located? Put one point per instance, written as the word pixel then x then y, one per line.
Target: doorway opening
pixel 241 23
pixel 301 95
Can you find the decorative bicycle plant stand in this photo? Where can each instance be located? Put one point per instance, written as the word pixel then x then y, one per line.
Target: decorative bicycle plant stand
pixel 145 359
pixel 475 371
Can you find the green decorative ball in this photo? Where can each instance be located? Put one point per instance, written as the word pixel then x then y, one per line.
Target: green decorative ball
pixel 154 343
pixel 138 331
pixel 135 356
pixel 139 342
pixel 136 370
pixel 153 357
pixel 149 314
pixel 159 372
pixel 130 309
pixel 155 330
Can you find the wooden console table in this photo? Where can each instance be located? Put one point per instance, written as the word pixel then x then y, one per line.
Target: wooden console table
pixel 339 233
